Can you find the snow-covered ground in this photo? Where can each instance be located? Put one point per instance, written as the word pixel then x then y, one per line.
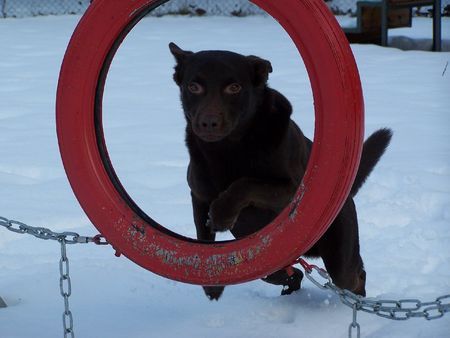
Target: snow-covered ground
pixel 404 208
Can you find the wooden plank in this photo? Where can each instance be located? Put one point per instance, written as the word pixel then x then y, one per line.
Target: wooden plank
pixel 371 18
pixel 410 3
pixel 399 17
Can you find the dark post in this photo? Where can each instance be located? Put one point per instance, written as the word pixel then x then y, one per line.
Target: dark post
pixel 384 22
pixel 437 26
pixel 2 303
pixel 3 8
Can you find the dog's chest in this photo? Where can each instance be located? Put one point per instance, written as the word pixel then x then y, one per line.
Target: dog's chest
pixel 225 167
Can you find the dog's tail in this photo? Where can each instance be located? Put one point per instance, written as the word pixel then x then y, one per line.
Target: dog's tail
pixel 373 149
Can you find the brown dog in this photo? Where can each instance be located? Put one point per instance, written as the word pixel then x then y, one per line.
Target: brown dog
pixel 247 158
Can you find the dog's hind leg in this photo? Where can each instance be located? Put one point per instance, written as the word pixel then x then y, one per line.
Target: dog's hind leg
pixel 339 249
pixel 290 278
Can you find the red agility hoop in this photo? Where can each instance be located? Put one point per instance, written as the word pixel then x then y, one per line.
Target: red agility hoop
pixel 331 170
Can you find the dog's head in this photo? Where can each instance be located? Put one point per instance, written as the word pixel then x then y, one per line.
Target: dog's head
pixel 220 90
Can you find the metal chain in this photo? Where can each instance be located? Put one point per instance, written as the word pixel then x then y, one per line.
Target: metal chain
pixel 44 233
pixel 65 285
pixel 402 309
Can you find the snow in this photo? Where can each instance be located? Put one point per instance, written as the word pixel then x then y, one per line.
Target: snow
pixel 404 208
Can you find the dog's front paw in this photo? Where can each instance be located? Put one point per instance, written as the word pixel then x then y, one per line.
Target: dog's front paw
pixel 221 216
pixel 213 292
pixel 216 224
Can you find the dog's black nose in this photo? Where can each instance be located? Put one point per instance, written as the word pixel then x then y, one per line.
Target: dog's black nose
pixel 210 122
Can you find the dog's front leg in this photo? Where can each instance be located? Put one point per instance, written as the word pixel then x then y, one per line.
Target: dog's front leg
pixel 225 209
pixel 204 233
pixel 200 210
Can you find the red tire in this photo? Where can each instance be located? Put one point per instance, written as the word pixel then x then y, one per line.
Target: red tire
pixel 337 147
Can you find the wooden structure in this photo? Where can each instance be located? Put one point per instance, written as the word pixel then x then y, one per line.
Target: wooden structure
pixel 375 17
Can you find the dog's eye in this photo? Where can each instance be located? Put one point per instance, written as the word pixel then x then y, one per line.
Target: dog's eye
pixel 233 88
pixel 195 88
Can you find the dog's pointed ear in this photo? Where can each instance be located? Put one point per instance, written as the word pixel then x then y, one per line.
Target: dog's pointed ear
pixel 261 69
pixel 179 54
pixel 180 57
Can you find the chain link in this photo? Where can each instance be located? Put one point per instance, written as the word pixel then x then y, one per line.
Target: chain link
pixel 65 284
pixel 354 325
pixel 402 309
pixel 65 287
